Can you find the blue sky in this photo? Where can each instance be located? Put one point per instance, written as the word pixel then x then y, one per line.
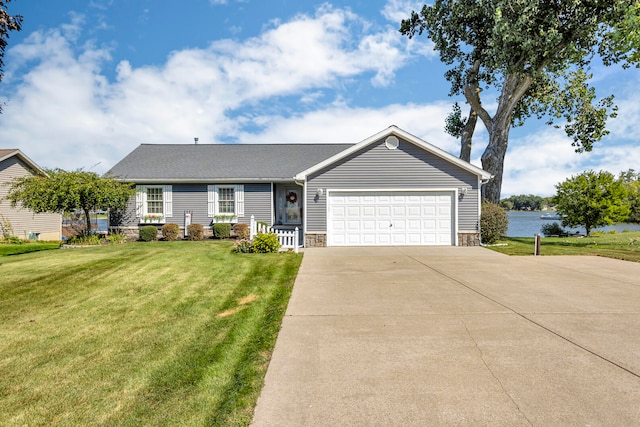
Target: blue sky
pixel 87 81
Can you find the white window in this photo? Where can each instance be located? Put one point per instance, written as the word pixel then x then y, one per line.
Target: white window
pixel 154 202
pixel 226 202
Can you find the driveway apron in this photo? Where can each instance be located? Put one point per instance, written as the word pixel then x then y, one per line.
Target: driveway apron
pixel 456 336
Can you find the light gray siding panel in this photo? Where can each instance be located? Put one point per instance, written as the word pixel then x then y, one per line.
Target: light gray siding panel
pixel 257 202
pixel 24 221
pixel 407 167
pixel 193 197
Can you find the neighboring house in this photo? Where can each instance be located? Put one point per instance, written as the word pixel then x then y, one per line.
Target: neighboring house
pixel 390 189
pixel 24 223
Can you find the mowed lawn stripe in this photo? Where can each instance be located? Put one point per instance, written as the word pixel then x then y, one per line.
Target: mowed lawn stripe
pixel 157 334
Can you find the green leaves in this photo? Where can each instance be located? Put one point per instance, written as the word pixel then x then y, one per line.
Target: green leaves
pixel 592 200
pixel 66 191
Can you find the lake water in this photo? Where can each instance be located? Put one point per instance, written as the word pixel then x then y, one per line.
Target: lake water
pixel 528 224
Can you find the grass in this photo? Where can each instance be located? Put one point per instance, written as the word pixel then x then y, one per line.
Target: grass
pixel 23 248
pixel 161 333
pixel 625 245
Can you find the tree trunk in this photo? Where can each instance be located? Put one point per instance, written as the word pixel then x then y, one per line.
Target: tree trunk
pixel 467 135
pixel 493 161
pixel 87 217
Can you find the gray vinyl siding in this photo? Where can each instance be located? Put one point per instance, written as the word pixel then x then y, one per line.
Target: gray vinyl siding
pixel 193 198
pixel 24 221
pixel 257 202
pixel 407 167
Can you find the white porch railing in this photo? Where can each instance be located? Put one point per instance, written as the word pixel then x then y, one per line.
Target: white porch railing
pixel 289 239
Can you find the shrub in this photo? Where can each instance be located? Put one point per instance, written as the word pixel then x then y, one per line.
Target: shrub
pixel 243 246
pixel 117 238
pixel 242 231
pixel 494 222
pixel 221 230
pixel 171 232
pixel 266 242
pixel 148 233
pixel 84 239
pixel 195 231
pixel 552 229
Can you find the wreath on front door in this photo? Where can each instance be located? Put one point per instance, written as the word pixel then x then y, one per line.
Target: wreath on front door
pixel 292 197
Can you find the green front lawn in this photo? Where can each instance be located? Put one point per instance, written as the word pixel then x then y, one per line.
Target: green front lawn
pixel 23 248
pixel 161 333
pixel 624 245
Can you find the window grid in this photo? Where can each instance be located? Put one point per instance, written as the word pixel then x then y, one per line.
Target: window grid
pixel 154 200
pixel 226 200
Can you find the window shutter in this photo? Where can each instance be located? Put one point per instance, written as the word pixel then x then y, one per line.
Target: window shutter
pixel 239 196
pixel 141 196
pixel 167 198
pixel 212 200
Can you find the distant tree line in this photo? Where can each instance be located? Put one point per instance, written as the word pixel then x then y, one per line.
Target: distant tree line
pixel 526 202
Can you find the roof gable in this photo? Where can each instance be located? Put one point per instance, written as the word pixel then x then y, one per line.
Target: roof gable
pixel 8 153
pixel 395 131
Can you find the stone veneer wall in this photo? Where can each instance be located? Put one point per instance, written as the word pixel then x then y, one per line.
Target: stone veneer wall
pixel 315 240
pixel 469 239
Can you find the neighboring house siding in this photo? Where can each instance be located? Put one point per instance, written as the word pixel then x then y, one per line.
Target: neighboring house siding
pixel 407 167
pixel 193 198
pixel 24 221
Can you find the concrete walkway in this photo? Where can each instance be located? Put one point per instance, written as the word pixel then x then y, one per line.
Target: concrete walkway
pixel 456 336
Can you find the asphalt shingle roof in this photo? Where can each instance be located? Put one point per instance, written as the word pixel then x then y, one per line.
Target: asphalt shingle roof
pixel 221 161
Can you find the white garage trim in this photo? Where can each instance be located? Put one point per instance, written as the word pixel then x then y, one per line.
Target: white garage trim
pixel 451 193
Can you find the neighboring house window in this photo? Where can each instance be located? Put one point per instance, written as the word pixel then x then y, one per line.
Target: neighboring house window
pixel 154 202
pixel 226 201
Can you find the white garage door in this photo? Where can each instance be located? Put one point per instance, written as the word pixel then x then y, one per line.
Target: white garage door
pixel 390 218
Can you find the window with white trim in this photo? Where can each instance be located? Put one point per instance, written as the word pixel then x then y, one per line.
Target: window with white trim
pixel 226 201
pixel 154 202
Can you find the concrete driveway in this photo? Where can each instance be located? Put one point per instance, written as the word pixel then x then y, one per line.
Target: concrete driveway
pixel 456 336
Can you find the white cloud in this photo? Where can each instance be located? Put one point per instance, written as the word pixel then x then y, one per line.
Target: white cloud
pixel 64 112
pixel 397 10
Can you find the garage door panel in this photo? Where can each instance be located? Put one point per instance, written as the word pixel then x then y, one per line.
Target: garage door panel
pixel 383 218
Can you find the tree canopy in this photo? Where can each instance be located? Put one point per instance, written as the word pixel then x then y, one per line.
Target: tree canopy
pixel 7 23
pixel 61 191
pixel 591 199
pixel 536 54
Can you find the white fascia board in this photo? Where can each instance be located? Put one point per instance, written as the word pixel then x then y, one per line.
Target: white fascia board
pixel 202 181
pixel 394 130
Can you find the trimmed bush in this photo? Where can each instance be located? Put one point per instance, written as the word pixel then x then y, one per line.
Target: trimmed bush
pixel 494 222
pixel 171 232
pixel 242 231
pixel 195 231
pixel 148 233
pixel 221 230
pixel 552 229
pixel 243 246
pixel 266 242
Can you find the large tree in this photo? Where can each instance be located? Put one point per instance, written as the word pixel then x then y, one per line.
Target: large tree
pixel 591 199
pixel 7 23
pixel 535 54
pixel 61 191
